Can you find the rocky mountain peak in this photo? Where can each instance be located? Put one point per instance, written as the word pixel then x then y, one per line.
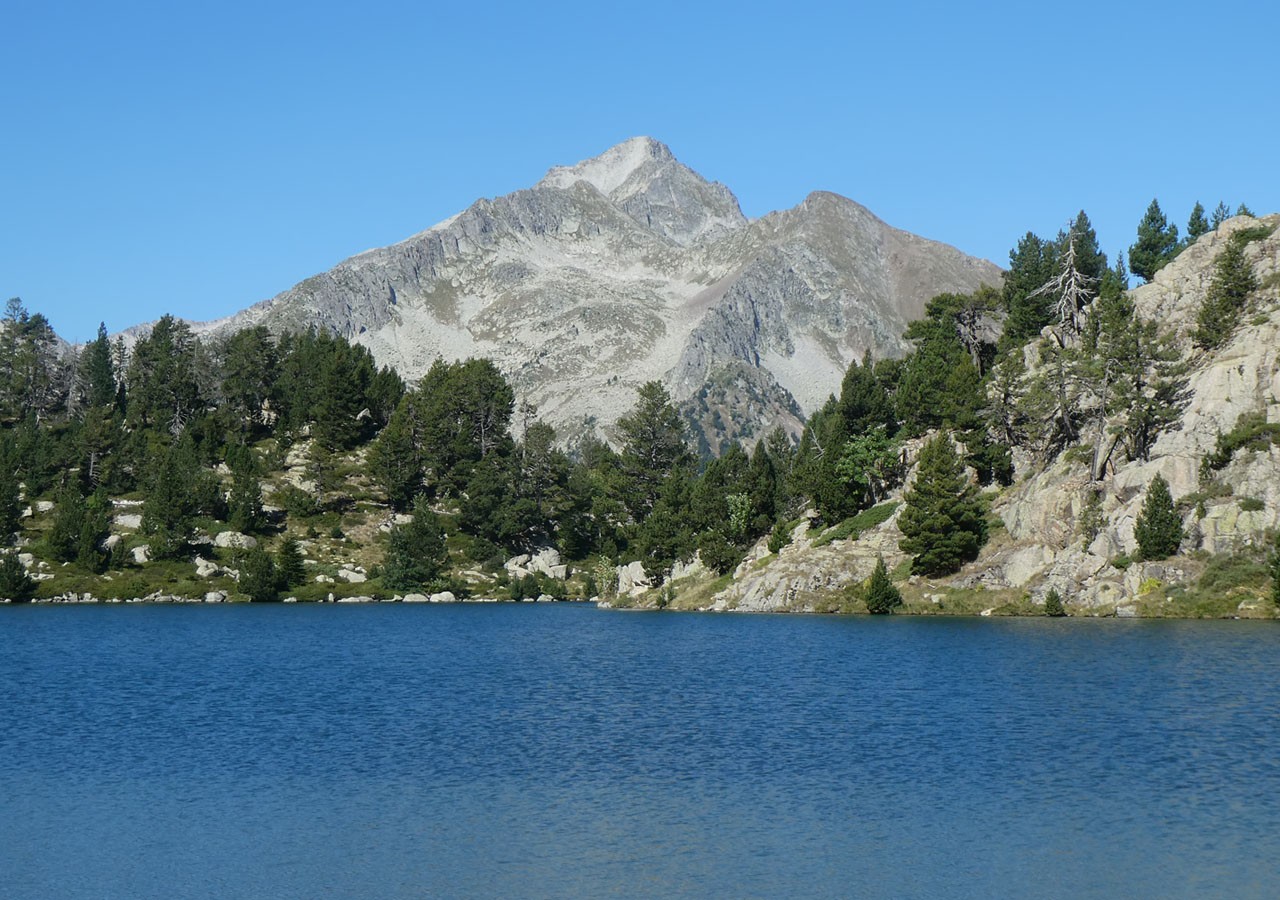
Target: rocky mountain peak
pixel 613 168
pixel 643 178
pixel 631 267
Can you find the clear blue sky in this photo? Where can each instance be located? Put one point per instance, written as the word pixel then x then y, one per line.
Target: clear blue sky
pixel 196 158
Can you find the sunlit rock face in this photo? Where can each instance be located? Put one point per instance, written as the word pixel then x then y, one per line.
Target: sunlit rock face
pixel 631 267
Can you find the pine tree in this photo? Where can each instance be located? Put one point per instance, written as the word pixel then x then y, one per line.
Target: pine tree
pixel 1220 214
pixel 170 507
pixel 864 402
pixel 1232 283
pixel 1031 264
pixel 163 389
pixel 1053 604
pixel 244 504
pixel 882 596
pixel 1158 529
pixel 653 446
pixel 16 585
pixel 63 538
pixel 1274 565
pixel 97 375
pixel 95 527
pixel 943 520
pixel 394 459
pixel 1157 243
pixel 416 551
pixel 250 370
pixel 289 564
pixel 1197 225
pixel 10 505
pixel 259 578
pixel 868 466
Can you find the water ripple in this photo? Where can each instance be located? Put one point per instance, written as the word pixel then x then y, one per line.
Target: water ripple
pixel 563 751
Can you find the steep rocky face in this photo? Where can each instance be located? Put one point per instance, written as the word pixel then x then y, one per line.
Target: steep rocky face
pixel 631 267
pixel 1042 546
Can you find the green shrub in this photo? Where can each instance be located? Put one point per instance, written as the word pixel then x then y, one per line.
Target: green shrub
pixel 852 528
pixel 1251 432
pixel 779 537
pixel 1251 504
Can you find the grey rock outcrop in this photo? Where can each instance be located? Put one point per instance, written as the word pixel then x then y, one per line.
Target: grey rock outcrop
pixel 631 267
pixel 1044 548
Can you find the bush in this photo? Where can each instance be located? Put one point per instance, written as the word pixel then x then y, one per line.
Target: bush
pixel 851 529
pixel 1251 432
pixel 718 554
pixel 1251 504
pixel 779 537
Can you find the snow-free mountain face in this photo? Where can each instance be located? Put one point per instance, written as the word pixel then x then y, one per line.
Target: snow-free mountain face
pixel 631 267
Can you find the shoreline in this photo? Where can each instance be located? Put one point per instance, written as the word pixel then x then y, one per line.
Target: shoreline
pixel 607 606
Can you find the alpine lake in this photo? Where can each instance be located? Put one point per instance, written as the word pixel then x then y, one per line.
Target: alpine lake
pixel 557 750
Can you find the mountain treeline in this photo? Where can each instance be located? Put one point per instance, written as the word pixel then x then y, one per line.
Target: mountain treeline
pixel 201 434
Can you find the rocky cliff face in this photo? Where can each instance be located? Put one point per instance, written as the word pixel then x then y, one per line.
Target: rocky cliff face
pixel 631 267
pixel 1042 546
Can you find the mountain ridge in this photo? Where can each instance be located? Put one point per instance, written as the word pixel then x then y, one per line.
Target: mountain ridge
pixel 630 267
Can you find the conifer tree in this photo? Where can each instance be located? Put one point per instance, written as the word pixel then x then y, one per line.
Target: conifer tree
pixel 653 446
pixel 10 506
pixel 1220 214
pixel 1232 283
pixel 882 595
pixel 1053 604
pixel 394 459
pixel 163 390
pixel 250 370
pixel 1158 529
pixel 244 504
pixel 1197 225
pixel 416 551
pixel 1157 243
pixel 97 376
pixel 289 564
pixel 1273 564
pixel 868 467
pixel 95 527
pixel 16 585
pixel 943 520
pixel 1031 263
pixel 170 507
pixel 68 518
pixel 259 578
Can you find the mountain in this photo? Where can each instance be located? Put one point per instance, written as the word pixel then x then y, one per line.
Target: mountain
pixel 631 267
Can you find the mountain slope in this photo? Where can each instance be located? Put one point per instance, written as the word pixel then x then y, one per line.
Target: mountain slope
pixel 631 267
pixel 1229 508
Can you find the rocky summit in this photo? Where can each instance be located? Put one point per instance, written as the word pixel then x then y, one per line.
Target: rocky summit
pixel 631 267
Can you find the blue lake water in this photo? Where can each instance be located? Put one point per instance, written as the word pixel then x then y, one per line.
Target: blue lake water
pixel 564 751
